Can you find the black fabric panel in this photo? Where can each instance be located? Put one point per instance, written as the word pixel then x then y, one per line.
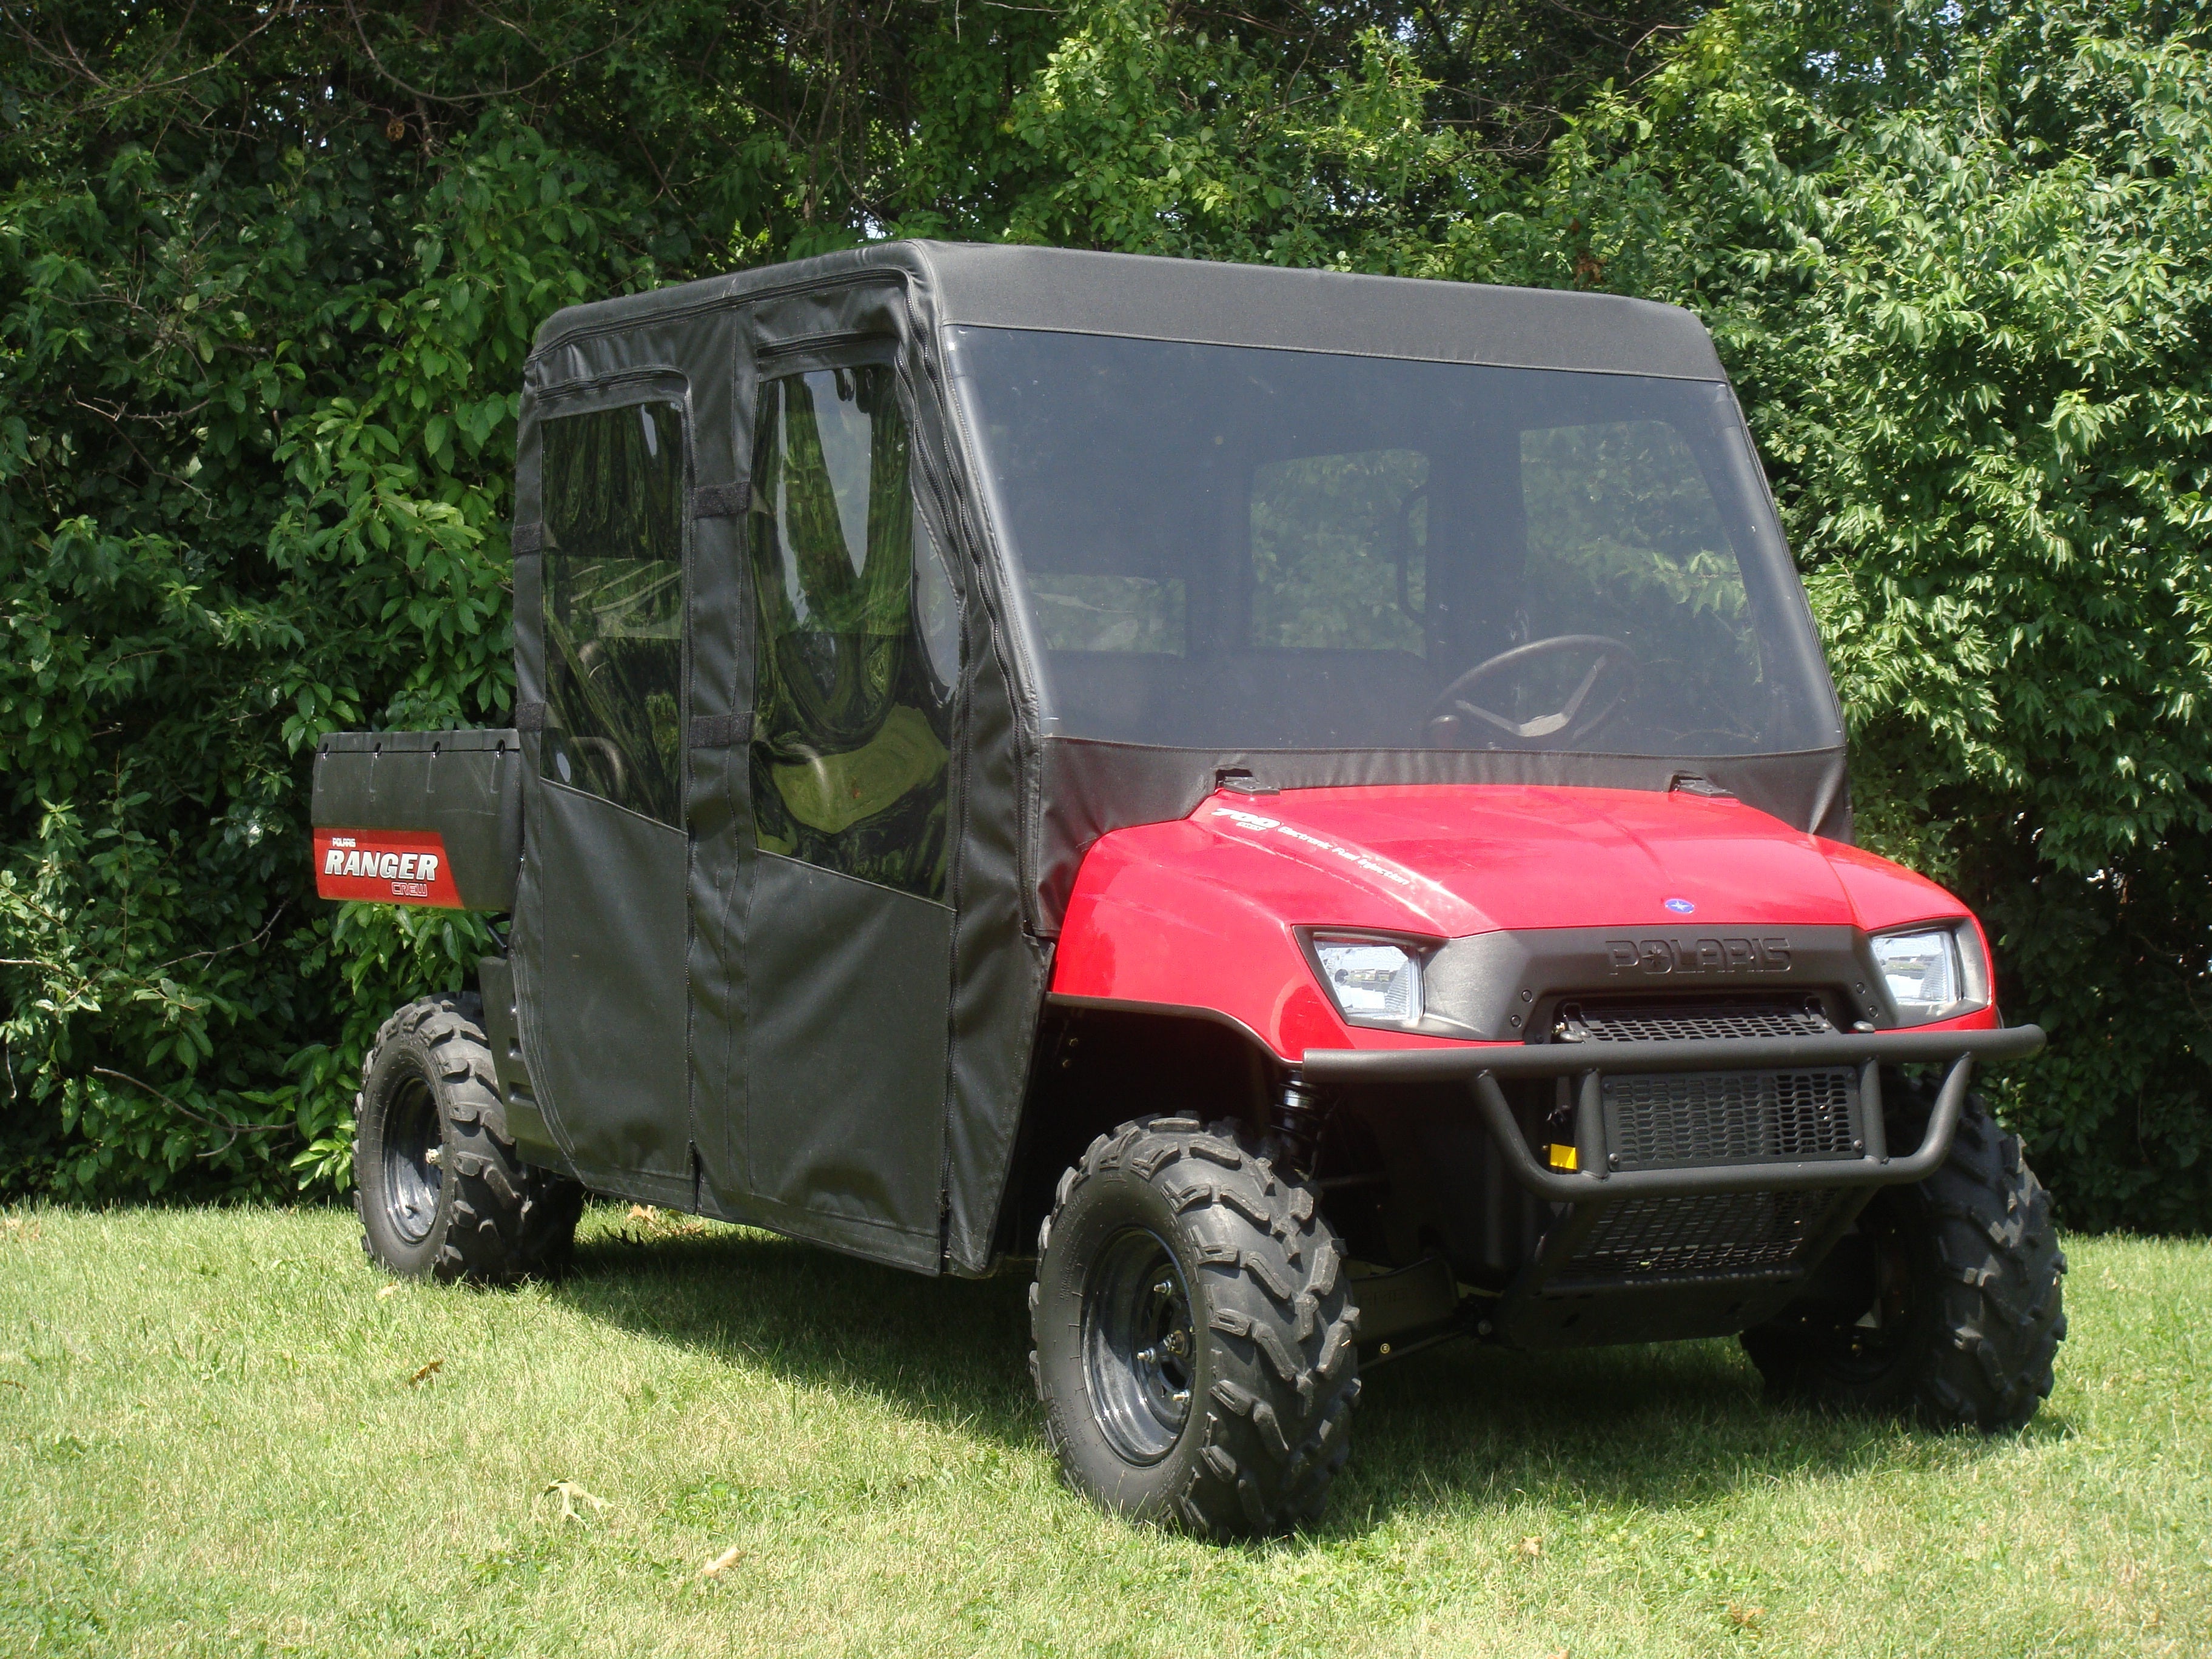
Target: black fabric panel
pixel 718 815
pixel 1811 792
pixel 1217 304
pixel 529 602
pixel 598 958
pixel 862 305
pixel 690 356
pixel 845 1052
pixel 1212 303
pixel 526 540
pixel 520 1121
pixel 721 843
pixel 837 996
pixel 1090 787
pixel 597 941
pixel 529 717
pixel 1001 969
pixel 467 786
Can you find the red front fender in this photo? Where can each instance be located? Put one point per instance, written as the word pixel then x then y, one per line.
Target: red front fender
pixel 1173 915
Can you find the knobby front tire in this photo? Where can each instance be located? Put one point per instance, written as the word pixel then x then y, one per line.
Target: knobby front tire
pixel 1193 1334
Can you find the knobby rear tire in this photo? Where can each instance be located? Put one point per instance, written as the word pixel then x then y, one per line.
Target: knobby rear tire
pixel 487 1218
pixel 1272 1374
pixel 1963 1275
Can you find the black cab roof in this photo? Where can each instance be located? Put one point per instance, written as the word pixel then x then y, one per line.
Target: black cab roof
pixel 1205 302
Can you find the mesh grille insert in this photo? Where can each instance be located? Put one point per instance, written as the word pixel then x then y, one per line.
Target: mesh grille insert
pixel 1730 1117
pixel 1659 1238
pixel 1661 1020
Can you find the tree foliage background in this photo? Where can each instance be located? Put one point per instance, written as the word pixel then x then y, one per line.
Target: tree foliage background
pixel 268 273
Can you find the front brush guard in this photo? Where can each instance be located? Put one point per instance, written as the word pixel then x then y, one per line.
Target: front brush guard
pixel 1559 1299
pixel 1591 1062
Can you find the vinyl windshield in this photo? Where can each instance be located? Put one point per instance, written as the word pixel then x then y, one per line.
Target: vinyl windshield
pixel 1223 547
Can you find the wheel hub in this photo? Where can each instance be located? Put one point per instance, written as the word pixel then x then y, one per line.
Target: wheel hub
pixel 1139 1346
pixel 412 1142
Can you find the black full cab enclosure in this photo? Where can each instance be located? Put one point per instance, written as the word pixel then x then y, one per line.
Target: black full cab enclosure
pixel 804 785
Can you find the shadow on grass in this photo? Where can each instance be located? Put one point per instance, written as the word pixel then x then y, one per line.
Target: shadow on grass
pixel 1657 1427
pixel 953 1349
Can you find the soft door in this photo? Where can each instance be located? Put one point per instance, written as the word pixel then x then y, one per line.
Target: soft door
pixel 602 905
pixel 847 939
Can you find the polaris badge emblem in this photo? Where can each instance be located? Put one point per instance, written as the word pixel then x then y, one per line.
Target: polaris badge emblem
pixel 1680 907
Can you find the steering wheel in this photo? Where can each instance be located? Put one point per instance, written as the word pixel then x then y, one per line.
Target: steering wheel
pixel 605 758
pixel 1574 718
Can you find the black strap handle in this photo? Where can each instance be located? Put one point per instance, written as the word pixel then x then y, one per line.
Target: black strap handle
pixel 719 731
pixel 720 500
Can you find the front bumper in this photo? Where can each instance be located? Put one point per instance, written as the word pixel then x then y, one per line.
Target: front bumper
pixel 1590 1063
pixel 1657 1255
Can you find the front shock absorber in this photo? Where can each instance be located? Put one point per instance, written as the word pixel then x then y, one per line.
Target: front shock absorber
pixel 1295 1126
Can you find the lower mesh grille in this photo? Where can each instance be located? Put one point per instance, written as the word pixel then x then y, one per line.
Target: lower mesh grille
pixel 1660 1238
pixel 1655 1121
pixel 1663 1120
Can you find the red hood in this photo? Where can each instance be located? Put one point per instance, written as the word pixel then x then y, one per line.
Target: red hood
pixel 1455 859
pixel 1204 912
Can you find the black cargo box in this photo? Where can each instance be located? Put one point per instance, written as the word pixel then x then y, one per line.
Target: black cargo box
pixel 465 786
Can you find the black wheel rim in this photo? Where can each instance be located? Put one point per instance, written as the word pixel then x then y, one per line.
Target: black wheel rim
pixel 411 1180
pixel 1139 1349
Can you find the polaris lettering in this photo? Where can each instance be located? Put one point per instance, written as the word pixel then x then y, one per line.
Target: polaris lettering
pixel 1684 957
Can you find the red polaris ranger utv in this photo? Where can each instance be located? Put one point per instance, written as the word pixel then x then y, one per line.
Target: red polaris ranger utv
pixel 1308 806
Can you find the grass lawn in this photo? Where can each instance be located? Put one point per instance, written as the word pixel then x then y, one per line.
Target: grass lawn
pixel 222 1431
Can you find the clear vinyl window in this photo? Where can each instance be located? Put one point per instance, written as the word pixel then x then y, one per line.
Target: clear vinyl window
pixel 1337 545
pixel 1223 547
pixel 613 494
pixel 857 651
pixel 1626 540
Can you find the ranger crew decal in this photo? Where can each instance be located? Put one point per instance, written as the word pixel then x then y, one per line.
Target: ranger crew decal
pixel 387 866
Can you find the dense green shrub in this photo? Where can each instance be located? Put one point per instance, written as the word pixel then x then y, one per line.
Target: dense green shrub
pixel 257 400
pixel 1967 309
pixel 266 279
pixel 265 282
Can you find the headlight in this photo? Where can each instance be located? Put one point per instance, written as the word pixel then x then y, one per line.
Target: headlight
pixel 1928 973
pixel 1372 981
